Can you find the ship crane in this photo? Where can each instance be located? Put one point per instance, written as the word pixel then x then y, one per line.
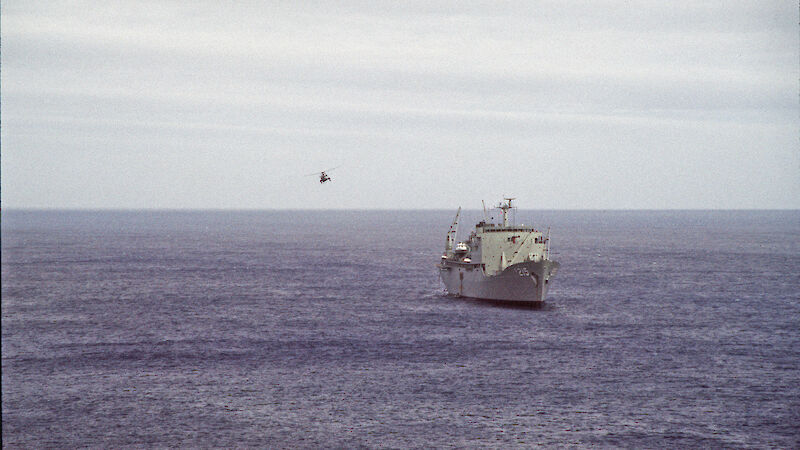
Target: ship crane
pixel 451 233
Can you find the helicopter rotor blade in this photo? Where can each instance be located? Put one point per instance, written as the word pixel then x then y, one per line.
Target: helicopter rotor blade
pixel 321 172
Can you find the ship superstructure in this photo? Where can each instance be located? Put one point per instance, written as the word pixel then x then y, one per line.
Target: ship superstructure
pixel 498 261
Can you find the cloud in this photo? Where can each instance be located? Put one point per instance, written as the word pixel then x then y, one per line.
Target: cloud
pixel 91 79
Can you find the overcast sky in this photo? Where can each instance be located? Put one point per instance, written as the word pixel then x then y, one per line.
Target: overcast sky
pixel 565 105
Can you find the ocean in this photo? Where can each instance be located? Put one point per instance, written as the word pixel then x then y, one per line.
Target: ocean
pixel 309 329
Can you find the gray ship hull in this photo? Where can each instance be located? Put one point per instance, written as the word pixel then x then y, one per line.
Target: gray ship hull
pixel 526 282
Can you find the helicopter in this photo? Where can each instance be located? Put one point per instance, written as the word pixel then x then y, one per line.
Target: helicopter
pixel 323 176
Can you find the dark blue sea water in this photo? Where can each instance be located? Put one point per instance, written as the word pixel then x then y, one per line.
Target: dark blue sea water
pixel 330 329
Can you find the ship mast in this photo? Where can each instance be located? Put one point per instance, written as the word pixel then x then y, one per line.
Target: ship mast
pixel 505 207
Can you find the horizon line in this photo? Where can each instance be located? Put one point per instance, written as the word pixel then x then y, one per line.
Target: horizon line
pixel 211 209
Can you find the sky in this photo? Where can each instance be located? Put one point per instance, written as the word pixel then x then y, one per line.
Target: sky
pixel 417 105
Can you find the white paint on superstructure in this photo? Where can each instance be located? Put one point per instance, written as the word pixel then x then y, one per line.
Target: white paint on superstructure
pixel 498 261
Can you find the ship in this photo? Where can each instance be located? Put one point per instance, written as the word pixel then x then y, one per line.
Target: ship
pixel 498 262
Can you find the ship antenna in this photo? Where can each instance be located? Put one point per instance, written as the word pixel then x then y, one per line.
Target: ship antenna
pixel 485 217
